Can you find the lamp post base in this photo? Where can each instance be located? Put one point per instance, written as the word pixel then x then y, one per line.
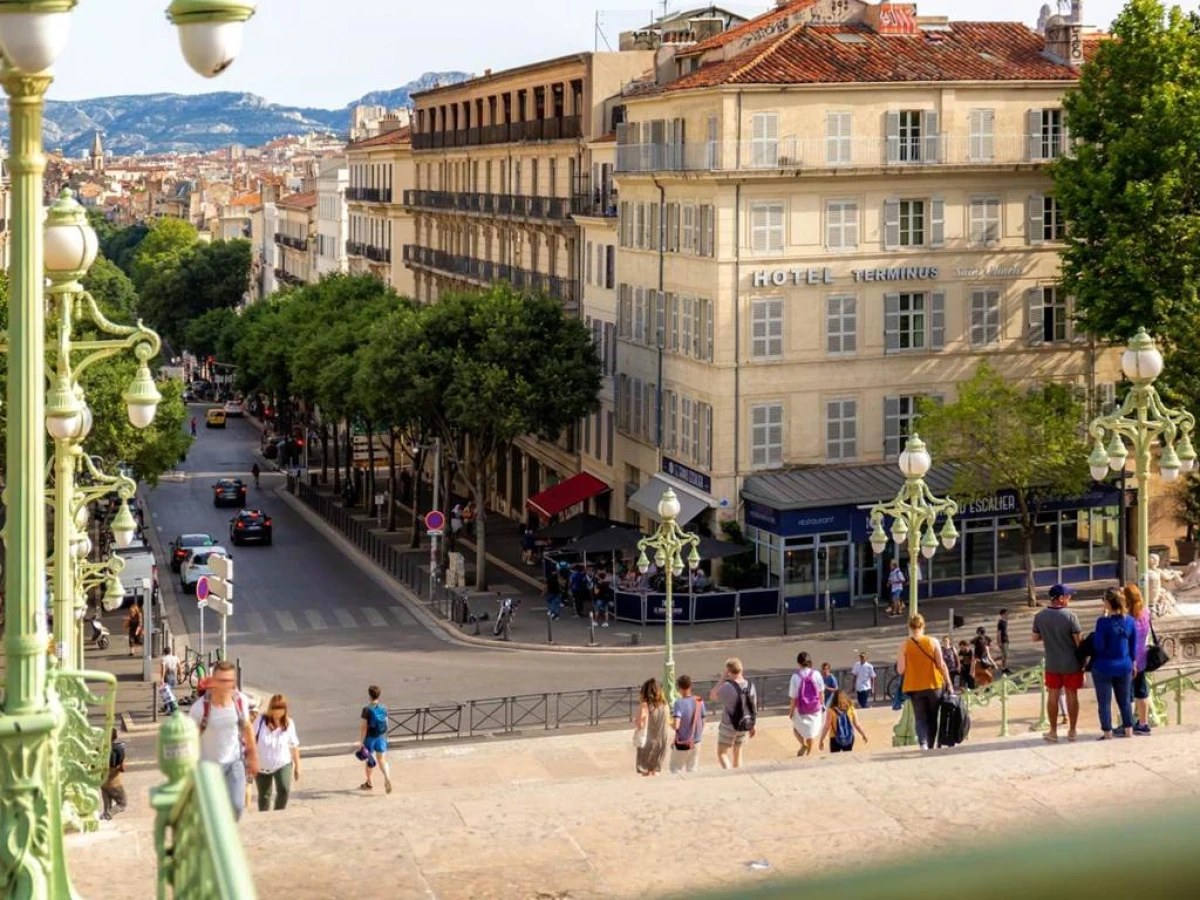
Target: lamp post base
pixel 904 734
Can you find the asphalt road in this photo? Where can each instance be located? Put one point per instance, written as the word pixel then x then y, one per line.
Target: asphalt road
pixel 308 622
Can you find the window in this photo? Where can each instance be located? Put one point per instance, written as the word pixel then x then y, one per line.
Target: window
pixel 985 317
pixel 685 424
pixel 766 435
pixel 984 224
pixel 766 227
pixel 707 227
pixel 912 136
pixel 672 336
pixel 610 266
pixel 841 324
pixel 652 227
pixel 689 230
pixel 838 150
pixel 914 223
pixel 841 430
pixel 639 315
pixel 841 225
pixel 1047 134
pixel 914 321
pixel 766 328
pixel 764 140
pixel 1049 316
pixel 899 421
pixel 588 257
pixel 688 315
pixel 625 311
pixel 713 147
pixel 704 329
pixel 625 223
pixel 671 415
pixel 1046 222
pixel 702 454
pixel 641 226
pixel 981 145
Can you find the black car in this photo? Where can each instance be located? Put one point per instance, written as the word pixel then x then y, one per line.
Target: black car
pixel 250 525
pixel 182 546
pixel 229 492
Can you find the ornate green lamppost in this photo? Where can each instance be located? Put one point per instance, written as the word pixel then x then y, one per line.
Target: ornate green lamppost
pixel 1144 421
pixel 668 543
pixel 914 512
pixel 32 34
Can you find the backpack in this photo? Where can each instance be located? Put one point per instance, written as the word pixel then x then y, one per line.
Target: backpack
pixel 808 699
pixel 377 724
pixel 241 716
pixel 745 709
pixel 844 730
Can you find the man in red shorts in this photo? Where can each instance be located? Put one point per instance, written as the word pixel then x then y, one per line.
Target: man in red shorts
pixel 1058 631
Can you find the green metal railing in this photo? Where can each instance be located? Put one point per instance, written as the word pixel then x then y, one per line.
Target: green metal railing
pixel 1177 684
pixel 83 748
pixel 1006 686
pixel 200 854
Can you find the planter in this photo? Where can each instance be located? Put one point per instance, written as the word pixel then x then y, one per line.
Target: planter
pixel 1185 551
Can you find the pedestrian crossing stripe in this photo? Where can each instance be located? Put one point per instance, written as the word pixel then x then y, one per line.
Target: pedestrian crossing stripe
pixel 315 621
pixel 286 622
pixel 373 617
pixel 348 618
pixel 344 618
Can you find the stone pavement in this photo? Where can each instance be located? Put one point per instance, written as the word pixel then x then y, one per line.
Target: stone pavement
pixel 566 817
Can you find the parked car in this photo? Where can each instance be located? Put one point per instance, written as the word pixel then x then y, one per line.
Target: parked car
pixel 229 492
pixel 233 408
pixel 139 567
pixel 182 546
pixel 250 525
pixel 214 418
pixel 197 565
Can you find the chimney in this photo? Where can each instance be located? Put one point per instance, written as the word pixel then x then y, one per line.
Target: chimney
pixel 1064 33
pixel 389 123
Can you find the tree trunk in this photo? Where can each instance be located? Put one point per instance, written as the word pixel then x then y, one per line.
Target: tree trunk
pixel 480 527
pixel 391 491
pixel 368 499
pixel 349 450
pixel 1027 548
pixel 324 453
pixel 418 472
pixel 337 461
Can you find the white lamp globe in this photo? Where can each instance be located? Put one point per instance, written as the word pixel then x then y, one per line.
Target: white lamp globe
pixel 83 547
pixel 668 506
pixel 71 243
pixel 33 40
pixel 915 460
pixel 1141 362
pixel 210 32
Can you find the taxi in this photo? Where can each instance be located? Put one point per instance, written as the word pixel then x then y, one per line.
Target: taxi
pixel 214 418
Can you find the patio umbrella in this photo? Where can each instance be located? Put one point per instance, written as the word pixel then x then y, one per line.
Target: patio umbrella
pixel 578 527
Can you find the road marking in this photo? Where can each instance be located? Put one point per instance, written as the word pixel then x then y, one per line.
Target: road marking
pixel 314 619
pixel 374 619
pixel 402 615
pixel 344 618
pixel 286 620
pixel 255 623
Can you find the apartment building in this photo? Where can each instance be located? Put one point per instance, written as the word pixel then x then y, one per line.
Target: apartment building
pixel 380 169
pixel 833 210
pixel 329 255
pixel 295 237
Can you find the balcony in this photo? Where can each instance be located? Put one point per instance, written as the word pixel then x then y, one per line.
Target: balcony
pixel 288 241
pixel 812 154
pixel 484 272
pixel 598 204
pixel 369 195
pixel 286 277
pixel 378 254
pixel 554 129
pixel 355 248
pixel 555 209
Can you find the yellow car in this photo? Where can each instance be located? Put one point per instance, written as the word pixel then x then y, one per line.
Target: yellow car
pixel 214 418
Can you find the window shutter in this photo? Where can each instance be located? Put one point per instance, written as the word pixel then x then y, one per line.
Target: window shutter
pixel 834 216
pixel 937 321
pixel 1034 134
pixel 698 329
pixel 708 330
pixel 891 224
pixel 1075 335
pixel 679 145
pixel 1037 219
pixel 892 131
pixel 891 321
pixel 710 227
pixel 610 350
pixel 937 222
pixel 672 242
pixel 1037 323
pixel 660 320
pixel 932 151
pixel 673 315
pixel 891 425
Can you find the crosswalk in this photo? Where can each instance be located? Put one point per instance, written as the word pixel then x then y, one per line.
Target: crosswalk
pixel 340 618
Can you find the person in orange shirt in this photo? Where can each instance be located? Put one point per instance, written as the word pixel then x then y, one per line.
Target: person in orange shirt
pixel 920 661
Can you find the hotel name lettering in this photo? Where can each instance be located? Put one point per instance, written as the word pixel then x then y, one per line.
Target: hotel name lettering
pixel 801 275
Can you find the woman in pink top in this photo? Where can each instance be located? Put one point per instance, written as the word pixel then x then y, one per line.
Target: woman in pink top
pixel 1141 624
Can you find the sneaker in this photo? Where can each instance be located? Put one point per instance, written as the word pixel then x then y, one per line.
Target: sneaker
pixel 1141 729
pixel 603 624
pixel 1120 733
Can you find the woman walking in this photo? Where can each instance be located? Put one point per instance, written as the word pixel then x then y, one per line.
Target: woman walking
pixel 806 693
pixel 1114 664
pixel 1140 613
pixel 278 754
pixel 841 725
pixel 651 728
pixel 920 661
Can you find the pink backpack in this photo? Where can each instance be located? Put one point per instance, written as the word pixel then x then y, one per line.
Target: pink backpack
pixel 808 701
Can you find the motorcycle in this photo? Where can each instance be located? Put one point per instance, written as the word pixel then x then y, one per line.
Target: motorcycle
pixel 508 609
pixel 98 635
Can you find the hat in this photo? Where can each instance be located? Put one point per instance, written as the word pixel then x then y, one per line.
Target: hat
pixel 1060 590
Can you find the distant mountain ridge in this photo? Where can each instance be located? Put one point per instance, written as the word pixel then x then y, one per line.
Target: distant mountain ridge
pixel 161 123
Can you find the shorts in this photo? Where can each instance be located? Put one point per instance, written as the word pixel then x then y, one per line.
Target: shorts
pixel 1141 690
pixel 377 744
pixel 836 746
pixel 728 737
pixel 1058 681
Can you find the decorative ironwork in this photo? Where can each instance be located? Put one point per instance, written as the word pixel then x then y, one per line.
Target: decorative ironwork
pixel 83 748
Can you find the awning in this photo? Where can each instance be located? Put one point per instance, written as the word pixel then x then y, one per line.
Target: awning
pixel 566 494
pixel 645 501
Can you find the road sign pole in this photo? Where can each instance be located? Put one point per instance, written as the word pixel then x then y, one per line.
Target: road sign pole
pixel 224 620
pixel 202 631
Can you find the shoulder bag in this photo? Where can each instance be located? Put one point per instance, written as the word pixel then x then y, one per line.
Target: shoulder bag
pixel 1156 656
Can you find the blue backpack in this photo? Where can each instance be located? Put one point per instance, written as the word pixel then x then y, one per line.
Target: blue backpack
pixel 844 730
pixel 377 725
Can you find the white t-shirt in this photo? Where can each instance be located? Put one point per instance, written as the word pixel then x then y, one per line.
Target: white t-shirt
pixel 170 664
pixel 221 742
pixel 811 674
pixel 274 744
pixel 864 674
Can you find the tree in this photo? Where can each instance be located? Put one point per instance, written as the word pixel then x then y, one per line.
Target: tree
pixel 114 292
pixel 1130 191
pixel 199 279
pixel 161 249
pixel 214 333
pixel 1006 436
pixel 121 244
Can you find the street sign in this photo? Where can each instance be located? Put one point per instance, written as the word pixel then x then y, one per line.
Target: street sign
pixel 203 604
pixel 435 520
pixel 202 589
pixel 219 587
pixel 222 566
pixel 220 606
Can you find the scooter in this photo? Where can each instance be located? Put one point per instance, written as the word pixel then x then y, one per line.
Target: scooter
pixel 508 608
pixel 98 633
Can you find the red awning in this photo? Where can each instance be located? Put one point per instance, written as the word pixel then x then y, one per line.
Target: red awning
pixel 575 489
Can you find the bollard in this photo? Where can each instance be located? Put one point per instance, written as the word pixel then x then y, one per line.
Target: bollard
pixel 154 701
pixel 737 617
pixel 549 628
pixel 785 616
pixel 875 610
pixel 1005 684
pixel 832 615
pixel 592 629
pixel 1043 722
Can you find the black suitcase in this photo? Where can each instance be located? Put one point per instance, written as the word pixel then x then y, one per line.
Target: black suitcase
pixel 954 722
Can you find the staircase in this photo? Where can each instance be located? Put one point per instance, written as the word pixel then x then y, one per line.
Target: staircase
pixel 566 817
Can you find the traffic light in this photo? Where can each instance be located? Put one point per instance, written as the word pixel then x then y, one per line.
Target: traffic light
pixel 299 442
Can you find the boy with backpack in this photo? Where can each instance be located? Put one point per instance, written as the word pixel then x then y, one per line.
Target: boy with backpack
pixel 841 725
pixel 112 791
pixel 226 737
pixel 739 716
pixel 373 737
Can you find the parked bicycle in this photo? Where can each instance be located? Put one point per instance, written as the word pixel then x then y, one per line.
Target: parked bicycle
pixel 508 608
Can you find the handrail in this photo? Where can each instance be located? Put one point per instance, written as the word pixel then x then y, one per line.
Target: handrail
pixel 1004 687
pixel 83 748
pixel 199 851
pixel 1181 681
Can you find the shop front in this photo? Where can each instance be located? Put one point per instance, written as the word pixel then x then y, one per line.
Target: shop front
pixel 811 529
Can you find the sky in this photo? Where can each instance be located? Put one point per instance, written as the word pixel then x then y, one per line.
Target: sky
pixel 327 53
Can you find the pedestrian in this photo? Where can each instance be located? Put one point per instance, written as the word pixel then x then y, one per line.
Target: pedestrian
pixel 830 681
pixel 581 589
pixel 1140 613
pixel 603 591
pixel 864 680
pixel 469 518
pixel 739 713
pixel 528 545
pixel 920 661
pixel 896 580
pixel 1114 664
pixel 1057 629
pixel 966 663
pixel 807 707
pixel 169 668
pixel 651 728
pixel 373 737
pixel 456 519
pixel 112 791
pixel 553 593
pixel 950 656
pixel 278 754
pixel 984 667
pixel 226 737
pixel 193 426
pixel 1002 638
pixel 840 725
pixel 687 718
pixel 133 626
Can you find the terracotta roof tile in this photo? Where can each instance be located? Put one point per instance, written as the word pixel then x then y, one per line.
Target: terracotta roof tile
pixel 387 138
pixel 767 21
pixel 253 199
pixel 303 200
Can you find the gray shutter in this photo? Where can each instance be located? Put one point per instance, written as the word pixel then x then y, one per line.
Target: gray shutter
pixel 1036 220
pixel 891 224
pixel 931 151
pixel 937 222
pixel 1036 327
pixel 891 130
pixel 891 321
pixel 1033 135
pixel 937 321
pixel 891 420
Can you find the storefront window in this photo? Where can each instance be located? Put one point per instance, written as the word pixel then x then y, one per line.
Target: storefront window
pixel 1105 535
pixel 1010 547
pixel 1045 541
pixel 838 548
pixel 947 564
pixel 799 567
pixel 766 546
pixel 1075 541
pixel 978 547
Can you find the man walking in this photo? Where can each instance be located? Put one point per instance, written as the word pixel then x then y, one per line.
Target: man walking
pixel 896 582
pixel 1002 637
pixel 864 680
pixel 739 715
pixel 226 737
pixel 687 718
pixel 1057 629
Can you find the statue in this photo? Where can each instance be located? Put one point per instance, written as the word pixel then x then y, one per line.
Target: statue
pixel 1160 600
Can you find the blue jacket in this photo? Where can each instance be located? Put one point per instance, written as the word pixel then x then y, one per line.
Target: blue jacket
pixel 1115 641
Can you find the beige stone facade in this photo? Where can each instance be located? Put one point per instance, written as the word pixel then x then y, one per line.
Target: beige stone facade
pixel 297 230
pixel 380 170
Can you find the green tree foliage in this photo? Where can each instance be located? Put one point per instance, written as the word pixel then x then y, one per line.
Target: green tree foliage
pixel 187 285
pixel 114 292
pixel 161 249
pixel 1131 188
pixel 1006 436
pixel 214 333
pixel 121 244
